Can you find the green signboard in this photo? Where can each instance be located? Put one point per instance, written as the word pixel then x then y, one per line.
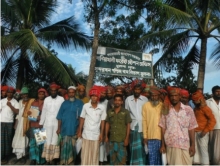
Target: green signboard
pixel 113 61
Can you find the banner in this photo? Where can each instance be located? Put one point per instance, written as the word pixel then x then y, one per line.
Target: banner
pixel 113 61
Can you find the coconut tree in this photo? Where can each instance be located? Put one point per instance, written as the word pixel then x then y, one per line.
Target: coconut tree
pixel 26 29
pixel 183 27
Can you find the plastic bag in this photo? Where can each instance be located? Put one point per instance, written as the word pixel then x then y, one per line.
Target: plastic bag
pixel 146 149
pixel 164 159
pixel 78 145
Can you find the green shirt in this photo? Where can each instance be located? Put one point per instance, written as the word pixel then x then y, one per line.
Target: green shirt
pixel 118 124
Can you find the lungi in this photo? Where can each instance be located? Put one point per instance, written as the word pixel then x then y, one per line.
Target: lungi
pixel 51 152
pixel 214 144
pixel 68 150
pixel 201 145
pixel 176 156
pixel 35 151
pixel 6 138
pixel 90 152
pixel 138 156
pixel 154 152
pixel 118 153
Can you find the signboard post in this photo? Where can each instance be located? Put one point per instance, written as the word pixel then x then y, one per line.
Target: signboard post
pixel 113 61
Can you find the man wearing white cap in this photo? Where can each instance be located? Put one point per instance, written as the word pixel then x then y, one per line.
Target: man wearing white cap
pixel 68 122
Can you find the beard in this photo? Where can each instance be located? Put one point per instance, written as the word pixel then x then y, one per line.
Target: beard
pixel 101 100
pixel 216 97
pixel 154 103
pixel 72 99
pixel 136 95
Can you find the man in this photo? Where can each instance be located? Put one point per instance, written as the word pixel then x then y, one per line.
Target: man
pixel 9 107
pixel 109 92
pixel 81 90
pixel 206 122
pixel 184 94
pixel 35 151
pixel 118 121
pixel 134 105
pixel 151 113
pixel 214 143
pixel 20 141
pixel 146 91
pixel 92 121
pixel 48 119
pixel 178 135
pixel 68 122
pixel 4 91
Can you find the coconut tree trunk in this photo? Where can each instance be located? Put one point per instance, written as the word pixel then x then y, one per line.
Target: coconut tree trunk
pixel 20 75
pixel 95 44
pixel 202 63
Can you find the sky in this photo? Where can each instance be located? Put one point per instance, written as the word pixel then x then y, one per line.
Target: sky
pixel 80 59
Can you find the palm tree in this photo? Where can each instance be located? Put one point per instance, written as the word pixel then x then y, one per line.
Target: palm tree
pixel 179 26
pixel 25 31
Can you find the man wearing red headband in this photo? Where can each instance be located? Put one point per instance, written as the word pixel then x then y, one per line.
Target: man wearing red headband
pixel 8 108
pixel 81 90
pixel 30 124
pixel 48 119
pixel 92 119
pixel 206 122
pixel 214 139
pixel 151 112
pixel 178 130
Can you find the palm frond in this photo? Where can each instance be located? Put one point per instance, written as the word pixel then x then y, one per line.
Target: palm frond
pixel 215 56
pixel 65 33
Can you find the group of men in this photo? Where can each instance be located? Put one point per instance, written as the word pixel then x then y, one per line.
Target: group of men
pixel 116 125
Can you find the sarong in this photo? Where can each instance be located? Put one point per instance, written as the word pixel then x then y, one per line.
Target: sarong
pixel 35 151
pixel 51 152
pixel 154 152
pixel 118 153
pixel 138 156
pixel 201 145
pixel 176 156
pixel 214 144
pixel 90 152
pixel 68 150
pixel 6 138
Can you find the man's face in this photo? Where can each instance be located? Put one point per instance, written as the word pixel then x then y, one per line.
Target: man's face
pixel 81 93
pixel 196 103
pixel 71 93
pixel 118 102
pixel 10 94
pixel 216 94
pixel 24 97
pixel 137 92
pixel 94 99
pixel 184 100
pixel 119 91
pixel 53 92
pixel 41 95
pixel 109 94
pixel 154 99
pixel 174 98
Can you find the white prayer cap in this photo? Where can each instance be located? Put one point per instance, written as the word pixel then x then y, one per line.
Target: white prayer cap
pixel 72 87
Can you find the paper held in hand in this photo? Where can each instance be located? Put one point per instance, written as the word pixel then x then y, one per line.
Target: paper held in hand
pixel 40 136
pixel 34 113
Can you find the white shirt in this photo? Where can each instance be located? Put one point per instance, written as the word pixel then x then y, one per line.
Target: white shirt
pixel 7 115
pixel 93 118
pixel 49 111
pixel 215 110
pixel 135 109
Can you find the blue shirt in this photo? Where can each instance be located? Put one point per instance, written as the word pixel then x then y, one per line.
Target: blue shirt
pixel 69 114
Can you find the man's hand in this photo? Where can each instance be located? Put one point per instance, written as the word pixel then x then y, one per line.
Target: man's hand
pixel 145 141
pixel 79 134
pixel 9 104
pixel 100 138
pixel 106 139
pixel 40 126
pixel 58 131
pixel 162 149
pixel 202 134
pixel 192 151
pixel 126 141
